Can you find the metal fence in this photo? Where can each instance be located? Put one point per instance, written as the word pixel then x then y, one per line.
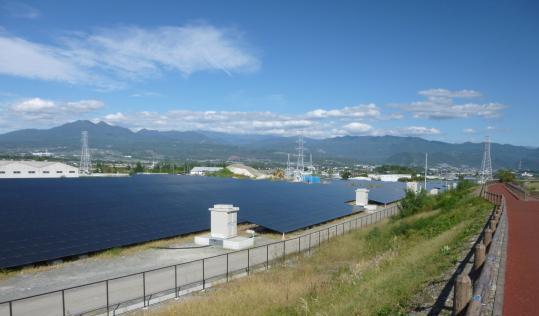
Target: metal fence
pixel 128 292
pixel 519 192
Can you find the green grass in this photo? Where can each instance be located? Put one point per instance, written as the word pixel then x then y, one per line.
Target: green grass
pixel 375 271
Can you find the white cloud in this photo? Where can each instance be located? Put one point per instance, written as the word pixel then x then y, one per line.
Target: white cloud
pixel 468 131
pixel 357 128
pixel 359 111
pixel 34 105
pixel 444 93
pixel 439 104
pixel 419 130
pixel 19 57
pixel 43 112
pixel 115 117
pixel 110 56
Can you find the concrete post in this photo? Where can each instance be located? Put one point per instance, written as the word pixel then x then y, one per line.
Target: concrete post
pixel 479 256
pixel 488 237
pixel 462 294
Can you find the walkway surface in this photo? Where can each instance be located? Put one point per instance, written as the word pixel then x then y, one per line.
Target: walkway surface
pixel 522 268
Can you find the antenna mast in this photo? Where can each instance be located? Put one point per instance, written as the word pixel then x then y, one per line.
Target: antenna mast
pixel 486 166
pixel 85 164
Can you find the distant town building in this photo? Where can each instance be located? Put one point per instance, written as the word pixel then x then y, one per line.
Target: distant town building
pixel 42 154
pixel 202 171
pixel 12 169
pixel 389 177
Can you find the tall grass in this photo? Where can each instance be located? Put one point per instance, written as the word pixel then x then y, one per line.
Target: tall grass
pixel 374 271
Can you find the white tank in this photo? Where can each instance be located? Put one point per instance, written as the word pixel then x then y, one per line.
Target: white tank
pixel 362 197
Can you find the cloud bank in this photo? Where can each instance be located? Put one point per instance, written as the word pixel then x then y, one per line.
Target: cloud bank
pixel 440 104
pixel 109 57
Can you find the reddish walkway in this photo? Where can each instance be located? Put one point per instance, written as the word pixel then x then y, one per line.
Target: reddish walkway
pixel 521 293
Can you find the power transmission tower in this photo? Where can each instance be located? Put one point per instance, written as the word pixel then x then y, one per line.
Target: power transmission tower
pixel 288 172
pixel 486 166
pixel 85 165
pixel 301 154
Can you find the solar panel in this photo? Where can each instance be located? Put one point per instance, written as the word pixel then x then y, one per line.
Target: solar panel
pixel 46 219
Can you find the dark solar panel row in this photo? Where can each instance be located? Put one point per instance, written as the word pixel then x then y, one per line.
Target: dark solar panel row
pixel 45 219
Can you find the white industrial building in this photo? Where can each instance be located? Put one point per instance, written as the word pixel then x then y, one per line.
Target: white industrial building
pixel 13 169
pixel 202 171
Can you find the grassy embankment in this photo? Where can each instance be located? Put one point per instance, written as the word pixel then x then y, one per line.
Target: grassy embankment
pixel 375 271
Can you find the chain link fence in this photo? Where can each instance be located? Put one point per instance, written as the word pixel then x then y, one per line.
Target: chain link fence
pixel 129 292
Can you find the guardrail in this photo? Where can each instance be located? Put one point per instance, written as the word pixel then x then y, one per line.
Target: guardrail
pixel 121 294
pixel 518 191
pixel 472 290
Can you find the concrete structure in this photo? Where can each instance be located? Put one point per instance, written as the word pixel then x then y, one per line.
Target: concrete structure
pixel 202 171
pixel 13 169
pixel 412 186
pixel 224 221
pixel 224 231
pixel 362 199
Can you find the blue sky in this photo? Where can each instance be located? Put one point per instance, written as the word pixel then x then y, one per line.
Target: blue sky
pixel 444 70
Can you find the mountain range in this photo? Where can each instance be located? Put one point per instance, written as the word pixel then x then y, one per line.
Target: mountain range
pixel 105 139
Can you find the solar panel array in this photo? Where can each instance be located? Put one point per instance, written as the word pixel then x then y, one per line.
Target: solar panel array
pixel 46 219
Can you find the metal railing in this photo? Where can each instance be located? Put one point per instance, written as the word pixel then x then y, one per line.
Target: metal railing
pixel 139 290
pixel 519 192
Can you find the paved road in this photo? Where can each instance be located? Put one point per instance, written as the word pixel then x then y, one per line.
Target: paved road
pixel 522 267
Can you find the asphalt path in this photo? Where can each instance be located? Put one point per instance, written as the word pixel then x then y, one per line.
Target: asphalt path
pixel 522 265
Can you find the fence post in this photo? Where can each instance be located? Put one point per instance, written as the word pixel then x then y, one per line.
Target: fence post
pixel 284 252
pixel 299 241
pixel 479 256
pixel 462 294
pixel 227 267
pixel 310 235
pixel 63 303
pixel 144 288
pixel 248 260
pixel 11 308
pixel 487 236
pixel 107 287
pixel 176 280
pixel 319 239
pixel 267 257
pixel 203 274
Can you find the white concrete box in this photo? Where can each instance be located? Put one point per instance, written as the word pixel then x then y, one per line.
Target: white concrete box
pixel 224 221
pixel 362 197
